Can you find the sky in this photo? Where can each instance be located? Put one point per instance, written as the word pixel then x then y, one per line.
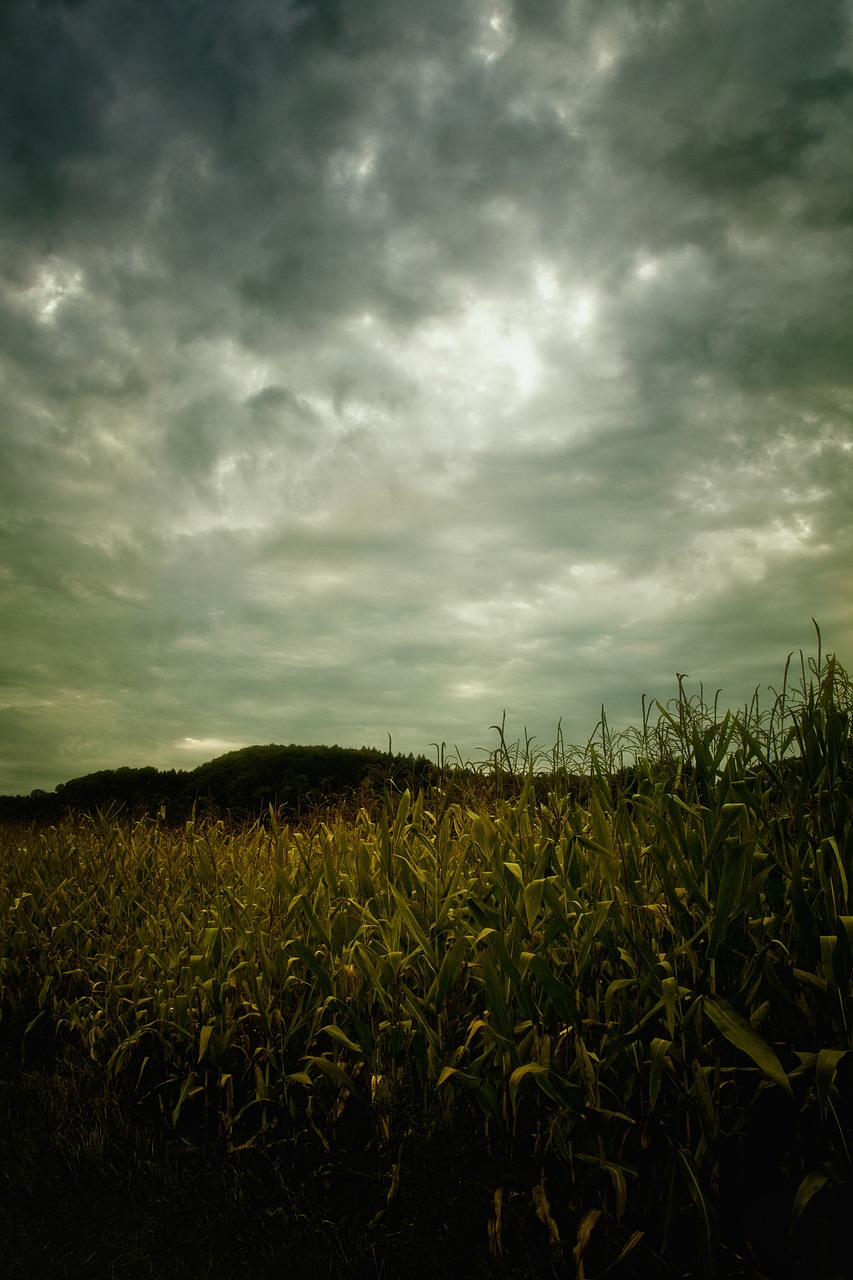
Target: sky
pixel 372 369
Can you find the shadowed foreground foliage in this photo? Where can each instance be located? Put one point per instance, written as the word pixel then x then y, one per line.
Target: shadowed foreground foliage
pixel 504 1027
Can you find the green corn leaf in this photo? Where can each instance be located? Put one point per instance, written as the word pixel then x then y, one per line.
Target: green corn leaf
pixel 845 924
pixel 697 1193
pixel 612 992
pixel 189 1089
pixel 333 1072
pixel 401 818
pixel 585 1229
pixel 730 896
pixel 415 928
pixel 705 1103
pixel 448 972
pixel 308 958
pixel 669 991
pixel 342 1038
pixel 533 901
pixel 204 1040
pixel 587 1070
pixel 529 1069
pixel 659 1052
pixel 810 979
pixel 738 1032
pixel 329 869
pixel 558 910
pixel 810 1185
pixel 312 918
pixel 496 942
pixel 670 829
pixel 831 853
pixel 561 994
pixel 449 896
pixel 496 996
pixel 825 1069
pixel 300 1077
pixel 631 1243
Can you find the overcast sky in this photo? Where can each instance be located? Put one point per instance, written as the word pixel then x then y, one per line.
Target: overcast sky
pixel 373 367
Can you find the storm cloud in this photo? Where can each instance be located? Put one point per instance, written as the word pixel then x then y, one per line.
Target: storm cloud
pixel 371 368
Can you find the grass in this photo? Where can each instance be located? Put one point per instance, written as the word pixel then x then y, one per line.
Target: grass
pixel 579 1015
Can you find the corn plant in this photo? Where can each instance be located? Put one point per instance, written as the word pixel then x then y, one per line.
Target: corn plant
pixel 621 976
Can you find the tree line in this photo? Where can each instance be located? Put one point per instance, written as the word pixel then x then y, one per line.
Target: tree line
pixel 244 784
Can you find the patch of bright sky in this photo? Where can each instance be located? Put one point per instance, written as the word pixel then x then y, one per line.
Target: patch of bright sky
pixel 483 361
pixel 496 32
pixel 473 361
pixel 348 167
pixel 744 555
pixel 590 573
pixel 466 689
pixel 604 56
pixel 719 492
pixel 583 312
pixel 239 369
pixel 470 352
pixel 57 280
pixel 204 746
pixel 491 616
pixel 647 268
pixel 349 174
pixel 546 281
pixel 600 590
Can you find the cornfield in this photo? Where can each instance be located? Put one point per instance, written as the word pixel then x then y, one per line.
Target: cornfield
pixel 608 1011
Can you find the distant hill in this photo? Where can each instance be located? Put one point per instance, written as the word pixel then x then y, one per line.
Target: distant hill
pixel 243 783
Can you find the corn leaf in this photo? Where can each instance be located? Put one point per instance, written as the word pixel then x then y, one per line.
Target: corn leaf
pixel 738 1032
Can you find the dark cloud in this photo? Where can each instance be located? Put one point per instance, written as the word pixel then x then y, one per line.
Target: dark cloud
pixel 53 95
pixel 372 369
